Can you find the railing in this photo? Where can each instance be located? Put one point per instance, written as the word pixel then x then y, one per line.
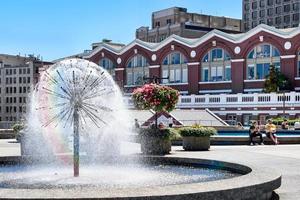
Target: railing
pixel 235 100
pixel 267 99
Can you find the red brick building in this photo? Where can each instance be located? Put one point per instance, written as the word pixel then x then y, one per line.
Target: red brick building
pixel 216 63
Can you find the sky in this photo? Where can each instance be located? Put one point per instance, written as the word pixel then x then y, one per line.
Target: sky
pixel 59 28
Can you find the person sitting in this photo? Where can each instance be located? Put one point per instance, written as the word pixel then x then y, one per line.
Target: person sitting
pixel 285 124
pixel 270 131
pixel 254 132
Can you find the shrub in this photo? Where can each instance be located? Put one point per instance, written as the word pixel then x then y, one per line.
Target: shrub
pixel 197 132
pixel 154 132
pixel 278 121
pixel 17 127
pixel 17 130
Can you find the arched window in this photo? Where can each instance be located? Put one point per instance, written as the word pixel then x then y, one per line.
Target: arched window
pixel 137 68
pixel 260 59
pixel 299 64
pixel 174 68
pixel 216 66
pixel 108 65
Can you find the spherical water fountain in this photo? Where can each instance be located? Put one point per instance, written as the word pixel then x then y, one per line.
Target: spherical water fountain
pixel 77 116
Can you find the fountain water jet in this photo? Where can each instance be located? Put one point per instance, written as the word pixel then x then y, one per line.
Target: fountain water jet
pixel 77 97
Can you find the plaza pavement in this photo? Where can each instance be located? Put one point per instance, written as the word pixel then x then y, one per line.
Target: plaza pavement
pixel 285 159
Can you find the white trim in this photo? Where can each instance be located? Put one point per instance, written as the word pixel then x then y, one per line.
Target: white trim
pixel 214 91
pixel 214 82
pixel 297 88
pixel 253 90
pixel 129 86
pixel 174 83
pixel 192 43
pixel 254 80
pixel 287 56
pixel 193 63
pixel 297 78
pixel 183 92
pixel 237 60
pixel 154 66
pixel 119 69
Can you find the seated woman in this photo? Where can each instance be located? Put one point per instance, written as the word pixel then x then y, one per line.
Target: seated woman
pixel 254 132
pixel 270 131
pixel 285 124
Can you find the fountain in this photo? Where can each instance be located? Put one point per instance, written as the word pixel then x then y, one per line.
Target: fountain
pixel 77 116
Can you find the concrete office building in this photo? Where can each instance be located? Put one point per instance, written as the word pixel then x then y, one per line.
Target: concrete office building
pixel 17 77
pixel 277 13
pixel 178 21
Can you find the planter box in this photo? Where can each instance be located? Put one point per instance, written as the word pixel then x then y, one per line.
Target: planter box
pixel 196 143
pixel 155 146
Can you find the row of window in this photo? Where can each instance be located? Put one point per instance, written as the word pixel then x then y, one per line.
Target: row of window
pixel 14 100
pixel 13 90
pixel 262 4
pixel 215 66
pixel 13 109
pixel 14 71
pixel 13 80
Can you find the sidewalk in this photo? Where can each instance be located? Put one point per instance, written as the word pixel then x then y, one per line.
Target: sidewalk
pixel 285 159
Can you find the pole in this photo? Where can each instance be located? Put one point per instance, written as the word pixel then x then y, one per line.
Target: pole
pixel 283 102
pixel 76 142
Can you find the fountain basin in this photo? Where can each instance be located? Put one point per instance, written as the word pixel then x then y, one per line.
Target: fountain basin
pixel 251 183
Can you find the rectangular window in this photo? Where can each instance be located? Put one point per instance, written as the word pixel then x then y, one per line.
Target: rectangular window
pixel 262 13
pixel 250 72
pixel 28 79
pixel 129 78
pixel 165 75
pixel 177 75
pixel 175 58
pixel 227 73
pixel 184 75
pixel 217 54
pixel 270 11
pixel 278 10
pixel 205 75
pixel 266 70
pixel 219 73
pixel 299 68
pixel 254 5
pixel 259 71
pixel 172 76
pixel 286 8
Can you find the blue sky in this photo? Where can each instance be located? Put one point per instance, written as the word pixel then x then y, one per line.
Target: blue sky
pixel 58 28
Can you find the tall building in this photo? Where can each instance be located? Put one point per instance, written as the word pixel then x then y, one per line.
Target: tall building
pixel 17 77
pixel 277 13
pixel 178 21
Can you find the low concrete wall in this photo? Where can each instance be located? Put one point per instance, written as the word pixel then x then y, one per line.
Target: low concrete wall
pixel 254 183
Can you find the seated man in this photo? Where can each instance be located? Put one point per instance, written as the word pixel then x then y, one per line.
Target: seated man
pixel 270 131
pixel 254 132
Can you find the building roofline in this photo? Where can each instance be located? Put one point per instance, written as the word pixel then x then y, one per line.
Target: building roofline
pixel 234 38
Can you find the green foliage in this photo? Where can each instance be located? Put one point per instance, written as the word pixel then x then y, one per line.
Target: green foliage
pixel 279 120
pixel 157 133
pixel 17 127
pixel 175 134
pixel 276 81
pixel 197 132
pixel 156 97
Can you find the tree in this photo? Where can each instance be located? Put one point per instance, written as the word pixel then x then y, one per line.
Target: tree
pixel 276 81
pixel 156 97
